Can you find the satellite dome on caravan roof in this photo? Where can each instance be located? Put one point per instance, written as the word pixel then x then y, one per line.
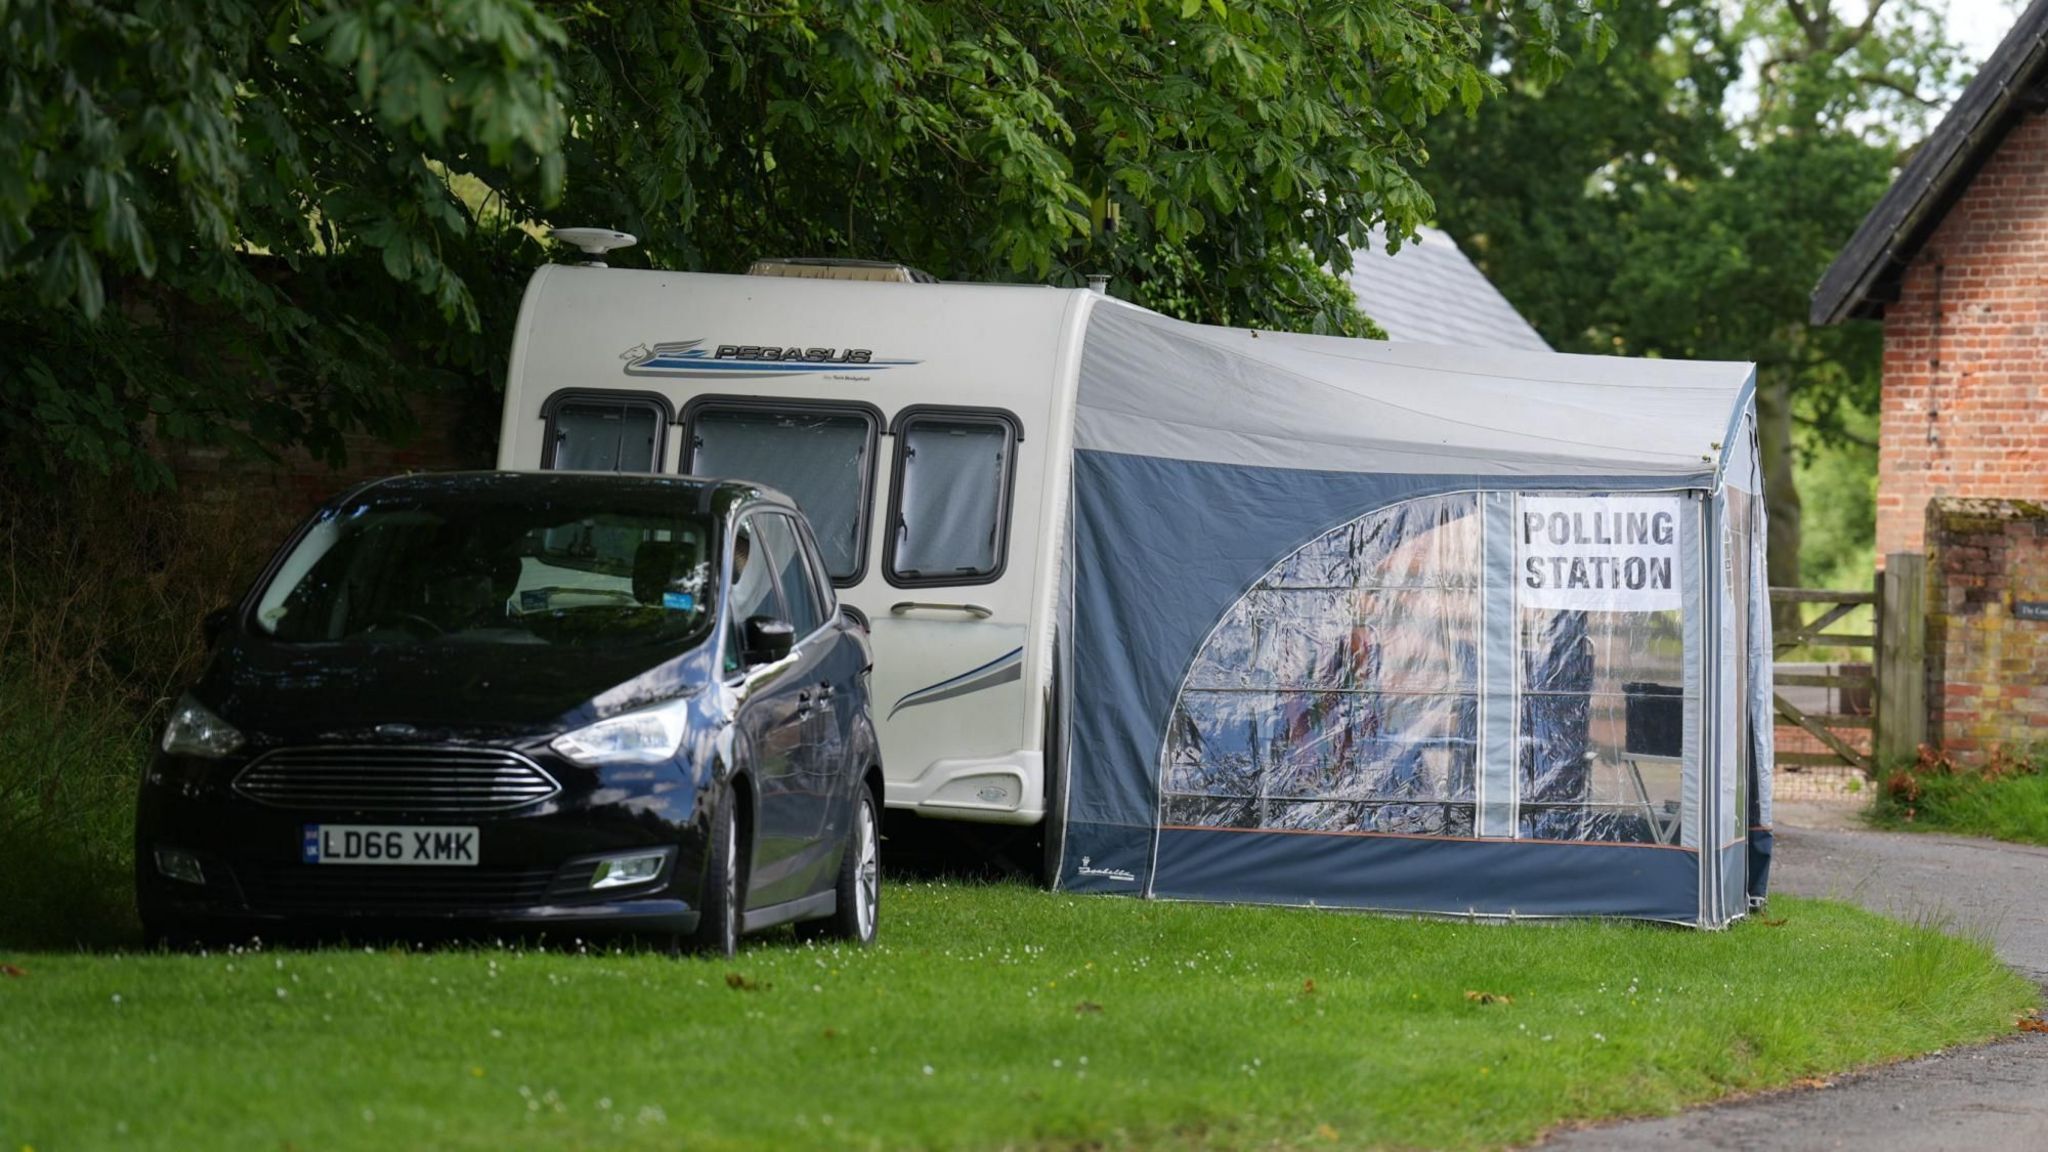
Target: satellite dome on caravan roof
pixel 1243 615
pixel 594 242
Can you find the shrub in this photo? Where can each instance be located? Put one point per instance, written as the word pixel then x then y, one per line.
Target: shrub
pixel 101 594
pixel 2006 798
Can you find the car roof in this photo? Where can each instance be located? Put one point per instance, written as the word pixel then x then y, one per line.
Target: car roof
pixel 704 494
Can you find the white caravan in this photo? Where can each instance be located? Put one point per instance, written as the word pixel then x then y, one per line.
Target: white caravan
pixel 925 430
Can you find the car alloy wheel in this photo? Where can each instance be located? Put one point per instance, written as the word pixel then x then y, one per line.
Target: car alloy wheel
pixel 857 893
pixel 867 893
pixel 729 877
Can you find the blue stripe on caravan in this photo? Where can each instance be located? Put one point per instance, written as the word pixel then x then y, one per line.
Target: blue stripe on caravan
pixel 704 365
pixel 1000 670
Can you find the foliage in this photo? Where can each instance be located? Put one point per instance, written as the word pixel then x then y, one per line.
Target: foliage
pixel 1679 203
pixel 1838 485
pixel 101 593
pixel 2006 799
pixel 986 1017
pixel 247 221
pixel 1542 186
pixel 219 219
pixel 67 819
pixel 983 141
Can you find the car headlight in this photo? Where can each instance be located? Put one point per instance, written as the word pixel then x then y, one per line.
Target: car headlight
pixel 647 736
pixel 194 730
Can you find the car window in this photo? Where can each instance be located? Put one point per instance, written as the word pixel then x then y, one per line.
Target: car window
pixel 605 434
pixel 828 599
pixel 793 572
pixel 753 587
pixel 753 582
pixel 952 503
pixel 822 459
pixel 478 568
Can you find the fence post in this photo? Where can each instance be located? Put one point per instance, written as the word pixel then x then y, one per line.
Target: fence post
pixel 1901 658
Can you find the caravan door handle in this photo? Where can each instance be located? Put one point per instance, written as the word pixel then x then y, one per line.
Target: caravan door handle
pixel 974 610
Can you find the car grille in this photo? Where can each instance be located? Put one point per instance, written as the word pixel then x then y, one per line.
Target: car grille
pixel 374 779
pixel 369 890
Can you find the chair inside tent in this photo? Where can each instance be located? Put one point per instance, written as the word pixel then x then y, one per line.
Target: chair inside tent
pixel 1398 627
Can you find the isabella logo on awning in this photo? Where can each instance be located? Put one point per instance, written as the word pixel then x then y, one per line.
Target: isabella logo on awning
pixel 1088 868
pixel 1597 553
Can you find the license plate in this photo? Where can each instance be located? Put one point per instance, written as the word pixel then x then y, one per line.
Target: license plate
pixel 388 844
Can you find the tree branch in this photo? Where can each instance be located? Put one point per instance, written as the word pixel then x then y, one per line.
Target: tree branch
pixel 1812 23
pixel 1879 80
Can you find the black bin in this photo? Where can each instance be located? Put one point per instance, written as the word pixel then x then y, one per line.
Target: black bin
pixel 1655 719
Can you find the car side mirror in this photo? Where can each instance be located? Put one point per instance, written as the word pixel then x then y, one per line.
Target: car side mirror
pixel 766 639
pixel 215 623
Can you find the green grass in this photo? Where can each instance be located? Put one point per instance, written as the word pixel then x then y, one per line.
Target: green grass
pixel 67 819
pixel 2001 807
pixel 1044 1020
pixel 989 1017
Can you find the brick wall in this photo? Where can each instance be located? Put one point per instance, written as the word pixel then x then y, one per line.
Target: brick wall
pixel 1987 670
pixel 1964 350
pixel 452 432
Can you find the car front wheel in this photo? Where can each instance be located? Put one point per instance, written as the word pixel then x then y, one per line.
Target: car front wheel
pixel 718 917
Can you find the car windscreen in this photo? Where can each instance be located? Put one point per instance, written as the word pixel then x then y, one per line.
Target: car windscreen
pixel 493 570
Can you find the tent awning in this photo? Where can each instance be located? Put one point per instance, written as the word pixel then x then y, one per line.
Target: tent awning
pixel 1270 399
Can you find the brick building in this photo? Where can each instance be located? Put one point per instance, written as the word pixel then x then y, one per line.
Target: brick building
pixel 1954 261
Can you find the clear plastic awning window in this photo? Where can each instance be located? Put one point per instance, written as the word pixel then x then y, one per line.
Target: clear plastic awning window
pixel 1344 691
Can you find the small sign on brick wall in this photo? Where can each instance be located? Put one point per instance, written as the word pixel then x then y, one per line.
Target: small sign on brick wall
pixel 2030 609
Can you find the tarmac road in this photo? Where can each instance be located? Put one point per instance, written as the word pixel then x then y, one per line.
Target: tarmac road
pixel 1988 1099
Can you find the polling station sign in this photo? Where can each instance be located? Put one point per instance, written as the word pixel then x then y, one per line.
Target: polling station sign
pixel 1597 553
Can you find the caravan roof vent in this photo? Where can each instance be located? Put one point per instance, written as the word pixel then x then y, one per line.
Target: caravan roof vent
pixel 594 242
pixel 826 268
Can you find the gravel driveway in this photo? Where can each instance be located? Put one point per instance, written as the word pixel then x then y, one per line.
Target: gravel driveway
pixel 1989 1099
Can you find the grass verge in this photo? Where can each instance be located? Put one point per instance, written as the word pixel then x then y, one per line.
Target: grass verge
pixel 67 822
pixel 989 1017
pixel 2006 800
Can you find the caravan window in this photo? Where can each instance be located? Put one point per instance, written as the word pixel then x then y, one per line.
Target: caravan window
pixel 951 508
pixel 821 456
pixel 605 431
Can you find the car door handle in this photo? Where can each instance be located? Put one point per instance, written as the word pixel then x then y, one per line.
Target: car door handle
pixel 906 606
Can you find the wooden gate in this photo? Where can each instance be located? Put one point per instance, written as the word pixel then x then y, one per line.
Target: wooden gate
pixel 1885 697
pixel 1848 684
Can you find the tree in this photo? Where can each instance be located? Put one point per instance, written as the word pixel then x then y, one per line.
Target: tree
pixel 1656 208
pixel 1542 185
pixel 1242 145
pixel 218 218
pixel 221 219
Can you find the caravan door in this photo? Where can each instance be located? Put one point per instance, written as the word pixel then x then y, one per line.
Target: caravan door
pixel 952 610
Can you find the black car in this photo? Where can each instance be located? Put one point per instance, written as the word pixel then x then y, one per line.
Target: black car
pixel 552 702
